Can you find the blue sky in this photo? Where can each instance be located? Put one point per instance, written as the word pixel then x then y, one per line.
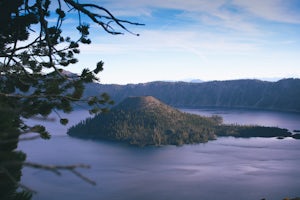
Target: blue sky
pixel 198 39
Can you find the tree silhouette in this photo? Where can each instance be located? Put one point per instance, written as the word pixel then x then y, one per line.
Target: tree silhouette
pixel 33 54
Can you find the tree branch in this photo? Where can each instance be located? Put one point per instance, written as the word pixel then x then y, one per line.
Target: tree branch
pixel 52 168
pixel 93 17
pixel 56 169
pixel 20 139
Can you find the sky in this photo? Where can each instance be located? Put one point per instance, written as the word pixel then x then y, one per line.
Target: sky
pixel 197 39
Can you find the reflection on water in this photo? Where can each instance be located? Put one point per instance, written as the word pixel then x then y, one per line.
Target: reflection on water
pixel 227 168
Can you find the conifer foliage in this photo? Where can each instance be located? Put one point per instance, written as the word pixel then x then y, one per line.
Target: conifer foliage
pixel 34 51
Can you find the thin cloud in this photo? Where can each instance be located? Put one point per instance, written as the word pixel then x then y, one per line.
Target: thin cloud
pixel 238 37
pixel 275 10
pixel 237 15
pixel 199 43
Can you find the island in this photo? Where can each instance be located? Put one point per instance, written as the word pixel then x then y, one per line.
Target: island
pixel 296 136
pixel 145 120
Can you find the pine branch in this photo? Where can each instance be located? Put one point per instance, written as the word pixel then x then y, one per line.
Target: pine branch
pixel 20 139
pixel 41 96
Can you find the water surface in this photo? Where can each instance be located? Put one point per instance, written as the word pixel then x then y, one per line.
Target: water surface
pixel 227 168
pixel 289 120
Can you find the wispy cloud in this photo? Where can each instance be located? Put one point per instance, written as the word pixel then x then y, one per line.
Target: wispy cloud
pixel 237 15
pixel 239 37
pixel 276 10
pixel 221 25
pixel 273 10
pixel 187 41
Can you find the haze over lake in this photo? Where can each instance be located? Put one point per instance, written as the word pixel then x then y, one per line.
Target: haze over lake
pixel 226 168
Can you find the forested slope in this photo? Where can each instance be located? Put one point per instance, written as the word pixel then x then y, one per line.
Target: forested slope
pixel 256 94
pixel 147 121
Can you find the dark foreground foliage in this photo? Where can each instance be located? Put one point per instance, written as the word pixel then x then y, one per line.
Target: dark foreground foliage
pixel 35 48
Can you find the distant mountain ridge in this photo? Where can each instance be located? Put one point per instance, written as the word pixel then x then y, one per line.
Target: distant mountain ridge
pixel 282 95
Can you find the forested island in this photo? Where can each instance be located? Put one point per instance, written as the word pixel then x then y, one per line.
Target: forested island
pixel 145 120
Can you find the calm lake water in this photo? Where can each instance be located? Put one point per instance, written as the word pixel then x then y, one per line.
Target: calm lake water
pixel 227 168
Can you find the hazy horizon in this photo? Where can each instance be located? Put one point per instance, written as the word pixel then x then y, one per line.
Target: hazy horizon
pixel 195 80
pixel 206 40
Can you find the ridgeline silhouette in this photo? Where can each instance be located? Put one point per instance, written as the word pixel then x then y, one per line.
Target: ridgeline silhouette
pixel 283 95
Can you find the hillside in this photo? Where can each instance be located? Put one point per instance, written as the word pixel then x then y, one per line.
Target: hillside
pixel 282 95
pixel 147 121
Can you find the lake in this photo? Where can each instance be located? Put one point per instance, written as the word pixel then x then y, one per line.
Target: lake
pixel 227 168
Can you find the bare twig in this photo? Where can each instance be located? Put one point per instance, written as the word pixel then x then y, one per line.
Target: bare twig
pixel 83 177
pixel 110 16
pixel 56 169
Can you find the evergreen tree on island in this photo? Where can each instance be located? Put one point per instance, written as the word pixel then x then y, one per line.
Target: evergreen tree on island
pixel 145 120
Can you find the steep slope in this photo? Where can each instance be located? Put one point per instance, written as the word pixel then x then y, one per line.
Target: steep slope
pixel 281 95
pixel 147 121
